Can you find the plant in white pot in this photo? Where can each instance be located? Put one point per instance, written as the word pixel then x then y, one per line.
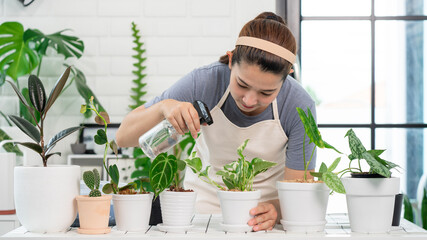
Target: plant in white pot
pixel 132 204
pixel 370 194
pixel 177 204
pixel 49 204
pixel 303 202
pixel 94 209
pixel 239 197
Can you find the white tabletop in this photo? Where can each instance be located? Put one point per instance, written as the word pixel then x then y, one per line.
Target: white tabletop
pixel 208 227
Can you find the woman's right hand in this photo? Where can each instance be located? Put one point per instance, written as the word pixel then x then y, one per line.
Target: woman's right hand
pixel 182 115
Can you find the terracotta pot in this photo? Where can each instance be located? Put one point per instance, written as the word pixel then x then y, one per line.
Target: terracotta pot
pixel 94 213
pixel 303 206
pixel 132 212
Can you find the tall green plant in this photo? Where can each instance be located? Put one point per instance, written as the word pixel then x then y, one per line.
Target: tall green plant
pixel 137 92
pixel 40 104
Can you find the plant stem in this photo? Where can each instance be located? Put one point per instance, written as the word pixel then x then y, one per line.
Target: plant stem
pixel 40 64
pixel 305 167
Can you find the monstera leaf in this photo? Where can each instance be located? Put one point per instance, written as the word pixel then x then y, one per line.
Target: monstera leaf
pixel 15 51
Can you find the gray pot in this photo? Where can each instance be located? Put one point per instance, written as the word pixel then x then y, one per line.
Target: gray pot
pixel 78 148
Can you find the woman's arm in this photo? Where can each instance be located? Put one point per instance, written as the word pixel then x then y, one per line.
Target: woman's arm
pixel 182 115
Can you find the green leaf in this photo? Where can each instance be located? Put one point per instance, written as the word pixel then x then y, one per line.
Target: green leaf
pixel 15 51
pixel 424 209
pixel 260 165
pixel 180 164
pixel 26 127
pixel 229 184
pixel 356 146
pixel 114 174
pixel 51 154
pixel 323 168
pixel 84 90
pixel 319 175
pixel 20 96
pixel 195 164
pixel 113 146
pixel 32 146
pixel 28 113
pixel 57 89
pixel 241 148
pixel 100 137
pixel 9 147
pixel 163 169
pixel 68 46
pixel 83 108
pixel 36 93
pixel 376 166
pixel 62 134
pixel 334 164
pixel 107 188
pixel 89 179
pixel 409 212
pixel 333 182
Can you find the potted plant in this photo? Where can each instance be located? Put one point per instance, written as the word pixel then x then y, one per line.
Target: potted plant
pixel 94 209
pixel 177 204
pixel 370 194
pixel 49 204
pixel 132 204
pixel 238 197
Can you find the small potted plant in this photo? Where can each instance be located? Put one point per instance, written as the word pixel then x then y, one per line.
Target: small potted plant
pixel 238 197
pixel 132 204
pixel 94 209
pixel 56 209
pixel 177 204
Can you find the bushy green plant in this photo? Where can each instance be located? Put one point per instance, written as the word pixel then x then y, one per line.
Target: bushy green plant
pixel 238 175
pixel 92 180
pixel 40 105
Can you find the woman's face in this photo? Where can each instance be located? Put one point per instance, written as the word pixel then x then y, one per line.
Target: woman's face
pixel 252 89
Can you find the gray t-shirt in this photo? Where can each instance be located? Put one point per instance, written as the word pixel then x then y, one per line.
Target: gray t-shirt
pixel 209 83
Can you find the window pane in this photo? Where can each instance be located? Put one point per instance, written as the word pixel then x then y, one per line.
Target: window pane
pixel 400 7
pixel 405 147
pixel 336 69
pixel 336 7
pixel 399 72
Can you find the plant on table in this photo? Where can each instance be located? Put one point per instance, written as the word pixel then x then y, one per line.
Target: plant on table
pixel 238 175
pixel 92 180
pixel 40 105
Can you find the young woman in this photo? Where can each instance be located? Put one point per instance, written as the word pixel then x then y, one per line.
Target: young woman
pixel 250 96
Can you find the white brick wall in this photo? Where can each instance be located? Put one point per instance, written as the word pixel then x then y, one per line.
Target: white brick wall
pixel 179 35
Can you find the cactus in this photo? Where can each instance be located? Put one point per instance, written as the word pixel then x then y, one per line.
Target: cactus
pixel 92 180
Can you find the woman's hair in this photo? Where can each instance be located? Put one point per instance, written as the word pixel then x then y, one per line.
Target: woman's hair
pixel 270 27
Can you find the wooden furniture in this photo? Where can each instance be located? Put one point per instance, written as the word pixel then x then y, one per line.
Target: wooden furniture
pixel 208 227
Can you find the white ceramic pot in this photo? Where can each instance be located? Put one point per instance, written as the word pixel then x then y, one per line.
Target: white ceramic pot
pixel 303 206
pixel 7 163
pixel 132 212
pixel 235 206
pixel 370 203
pixel 45 197
pixel 177 207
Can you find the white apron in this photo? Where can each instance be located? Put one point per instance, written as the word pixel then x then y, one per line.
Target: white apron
pixel 267 141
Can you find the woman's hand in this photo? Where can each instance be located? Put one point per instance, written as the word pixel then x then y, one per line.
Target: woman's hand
pixel 182 115
pixel 265 217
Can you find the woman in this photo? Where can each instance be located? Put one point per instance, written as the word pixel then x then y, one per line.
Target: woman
pixel 251 97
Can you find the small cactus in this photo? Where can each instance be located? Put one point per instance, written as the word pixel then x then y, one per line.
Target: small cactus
pixel 92 180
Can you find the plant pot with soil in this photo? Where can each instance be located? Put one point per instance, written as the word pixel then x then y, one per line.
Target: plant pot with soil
pixel 303 202
pixel 51 188
pixel 239 197
pixel 177 204
pixel 132 204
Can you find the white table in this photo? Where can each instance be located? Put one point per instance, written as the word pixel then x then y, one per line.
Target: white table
pixel 208 227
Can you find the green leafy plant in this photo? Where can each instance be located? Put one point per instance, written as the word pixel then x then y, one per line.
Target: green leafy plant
pixel 238 175
pixel 137 92
pixel 92 180
pixel 358 151
pixel 40 104
pixel 409 210
pixel 101 138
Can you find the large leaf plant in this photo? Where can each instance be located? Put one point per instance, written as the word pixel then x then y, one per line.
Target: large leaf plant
pixel 39 103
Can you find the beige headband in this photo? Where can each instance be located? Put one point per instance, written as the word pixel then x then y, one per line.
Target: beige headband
pixel 268 47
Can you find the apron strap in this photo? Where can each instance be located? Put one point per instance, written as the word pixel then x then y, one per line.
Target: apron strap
pixel 275 110
pixel 224 97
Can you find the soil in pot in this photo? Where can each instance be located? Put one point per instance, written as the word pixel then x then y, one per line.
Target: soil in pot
pixel 179 189
pixel 366 175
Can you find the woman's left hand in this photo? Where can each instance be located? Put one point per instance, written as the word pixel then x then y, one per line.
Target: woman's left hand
pixel 265 217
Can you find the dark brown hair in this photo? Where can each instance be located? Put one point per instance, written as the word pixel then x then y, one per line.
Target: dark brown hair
pixel 270 27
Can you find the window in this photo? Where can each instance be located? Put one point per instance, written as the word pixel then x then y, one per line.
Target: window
pixel 363 63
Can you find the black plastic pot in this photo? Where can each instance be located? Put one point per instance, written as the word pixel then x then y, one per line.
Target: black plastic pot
pixel 397 209
pixel 156 212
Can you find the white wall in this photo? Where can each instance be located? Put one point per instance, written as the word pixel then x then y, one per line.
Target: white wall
pixel 179 35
